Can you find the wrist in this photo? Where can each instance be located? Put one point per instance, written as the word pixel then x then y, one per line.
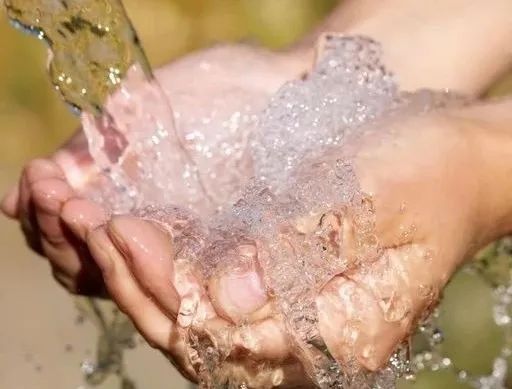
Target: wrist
pixel 489 128
pixel 458 45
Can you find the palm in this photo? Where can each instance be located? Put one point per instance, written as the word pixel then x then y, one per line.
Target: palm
pixel 209 91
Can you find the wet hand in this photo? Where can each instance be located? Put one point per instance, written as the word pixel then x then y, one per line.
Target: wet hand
pixel 209 85
pixel 37 202
pixel 424 231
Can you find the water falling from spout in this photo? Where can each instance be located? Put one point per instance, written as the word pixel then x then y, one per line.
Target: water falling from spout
pixel 93 48
pixel 99 67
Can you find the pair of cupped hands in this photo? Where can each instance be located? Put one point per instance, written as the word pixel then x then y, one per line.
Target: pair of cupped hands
pixel 422 174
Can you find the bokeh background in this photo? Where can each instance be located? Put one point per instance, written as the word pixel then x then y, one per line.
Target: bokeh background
pixel 42 340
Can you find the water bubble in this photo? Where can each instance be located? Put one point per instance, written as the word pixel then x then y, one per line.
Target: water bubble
pixel 437 336
pixel 88 367
pixel 295 151
pixel 446 362
pixel 501 316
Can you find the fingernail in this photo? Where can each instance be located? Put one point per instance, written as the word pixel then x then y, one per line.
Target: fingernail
pixel 244 292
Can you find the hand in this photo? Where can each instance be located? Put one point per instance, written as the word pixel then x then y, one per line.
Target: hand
pixel 82 228
pixel 424 230
pixel 213 84
pixel 37 201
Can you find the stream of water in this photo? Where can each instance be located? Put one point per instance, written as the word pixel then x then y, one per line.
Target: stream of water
pixel 92 45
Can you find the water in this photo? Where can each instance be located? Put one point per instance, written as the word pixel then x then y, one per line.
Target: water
pixel 493 266
pixel 93 46
pixel 303 183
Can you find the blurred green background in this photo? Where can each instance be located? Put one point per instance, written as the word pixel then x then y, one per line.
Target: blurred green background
pixel 33 121
pixel 32 118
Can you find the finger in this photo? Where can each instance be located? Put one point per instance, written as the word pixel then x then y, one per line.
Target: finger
pixel 24 191
pixel 49 196
pixel 82 216
pixel 405 282
pixel 186 278
pixel 364 318
pixel 36 170
pixel 152 323
pixel 349 317
pixel 149 319
pixel 148 250
pixel 347 235
pixel 65 251
pixel 238 292
pixel 10 202
pixel 63 279
pixel 27 216
pixel 265 340
pixel 248 346
pixel 39 169
pixel 76 162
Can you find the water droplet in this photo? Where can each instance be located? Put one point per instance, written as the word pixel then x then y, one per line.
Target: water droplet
pixel 437 336
pixel 88 367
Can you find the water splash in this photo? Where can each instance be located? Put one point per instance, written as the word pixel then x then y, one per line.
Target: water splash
pixel 493 265
pixel 116 334
pixel 98 66
pixel 93 46
pixel 301 173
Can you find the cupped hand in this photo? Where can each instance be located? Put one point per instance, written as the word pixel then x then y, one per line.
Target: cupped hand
pixel 208 90
pixel 37 202
pixel 421 175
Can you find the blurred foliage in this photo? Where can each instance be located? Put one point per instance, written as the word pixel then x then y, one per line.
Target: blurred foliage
pixel 33 120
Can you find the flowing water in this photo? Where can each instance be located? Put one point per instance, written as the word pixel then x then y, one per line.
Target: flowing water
pixel 297 170
pixel 92 45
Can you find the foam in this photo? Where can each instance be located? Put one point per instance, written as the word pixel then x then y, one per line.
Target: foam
pixel 290 181
pixel 303 185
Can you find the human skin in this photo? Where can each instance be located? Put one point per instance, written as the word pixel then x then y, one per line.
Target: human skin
pixel 459 151
pixel 449 63
pixel 46 184
pixel 449 224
